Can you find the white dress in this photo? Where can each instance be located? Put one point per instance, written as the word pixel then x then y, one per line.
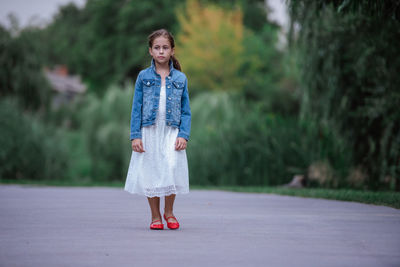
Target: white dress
pixel 160 170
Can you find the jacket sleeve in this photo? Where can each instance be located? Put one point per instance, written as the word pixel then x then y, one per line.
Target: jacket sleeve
pixel 136 115
pixel 184 128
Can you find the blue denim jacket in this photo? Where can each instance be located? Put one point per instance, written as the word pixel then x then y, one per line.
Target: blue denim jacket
pixel 146 101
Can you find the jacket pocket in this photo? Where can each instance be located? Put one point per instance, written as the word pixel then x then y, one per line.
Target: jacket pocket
pixel 147 87
pixel 148 82
pixel 177 88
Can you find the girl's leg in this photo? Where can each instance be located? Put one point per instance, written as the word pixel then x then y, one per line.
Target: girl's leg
pixel 154 203
pixel 169 204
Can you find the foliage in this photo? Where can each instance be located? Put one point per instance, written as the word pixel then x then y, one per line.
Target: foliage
pixel 254 11
pixel 106 41
pixel 218 53
pixel 20 75
pixel 266 79
pixel 339 75
pixel 210 46
pixel 62 39
pixel 385 198
pixel 105 125
pixel 350 77
pixel 29 149
pixel 235 143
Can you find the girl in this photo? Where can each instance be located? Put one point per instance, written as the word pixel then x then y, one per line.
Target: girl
pixel 160 129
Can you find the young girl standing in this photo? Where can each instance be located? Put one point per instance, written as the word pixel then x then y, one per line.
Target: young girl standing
pixel 160 129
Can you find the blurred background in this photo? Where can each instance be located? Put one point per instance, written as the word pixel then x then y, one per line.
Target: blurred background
pixel 305 89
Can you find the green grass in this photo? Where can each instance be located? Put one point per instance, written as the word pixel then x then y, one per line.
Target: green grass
pixel 391 199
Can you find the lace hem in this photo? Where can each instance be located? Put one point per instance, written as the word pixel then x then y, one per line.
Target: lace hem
pixel 160 191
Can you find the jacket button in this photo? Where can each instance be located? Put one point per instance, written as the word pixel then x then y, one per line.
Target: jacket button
pixel 169 98
pixel 169 86
pixel 169 111
pixel 148 83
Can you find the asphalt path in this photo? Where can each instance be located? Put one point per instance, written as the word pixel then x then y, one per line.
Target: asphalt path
pixel 98 226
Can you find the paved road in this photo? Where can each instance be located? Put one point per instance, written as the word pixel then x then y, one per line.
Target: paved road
pixel 69 226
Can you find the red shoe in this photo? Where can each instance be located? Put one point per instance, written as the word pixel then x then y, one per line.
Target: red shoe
pixel 172 225
pixel 156 226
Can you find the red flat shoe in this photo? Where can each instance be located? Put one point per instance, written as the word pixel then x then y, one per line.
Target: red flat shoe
pixel 156 226
pixel 172 225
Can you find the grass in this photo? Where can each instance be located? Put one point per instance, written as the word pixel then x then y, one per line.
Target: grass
pixel 390 199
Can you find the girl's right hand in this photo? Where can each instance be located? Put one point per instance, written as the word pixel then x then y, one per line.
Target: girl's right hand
pixel 137 145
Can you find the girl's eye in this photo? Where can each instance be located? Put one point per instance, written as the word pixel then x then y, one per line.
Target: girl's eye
pixel 164 47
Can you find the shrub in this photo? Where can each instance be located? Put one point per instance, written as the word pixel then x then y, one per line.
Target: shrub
pixel 105 125
pixel 233 143
pixel 29 149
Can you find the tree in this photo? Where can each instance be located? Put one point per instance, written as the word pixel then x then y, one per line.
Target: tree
pixel 106 41
pixel 21 76
pixel 350 78
pixel 210 46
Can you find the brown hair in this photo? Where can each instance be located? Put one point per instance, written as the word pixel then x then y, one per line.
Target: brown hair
pixel 168 35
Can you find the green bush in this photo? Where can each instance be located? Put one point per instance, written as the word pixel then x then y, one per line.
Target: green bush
pixel 349 77
pixel 29 149
pixel 234 143
pixel 21 76
pixel 105 124
pixel 80 162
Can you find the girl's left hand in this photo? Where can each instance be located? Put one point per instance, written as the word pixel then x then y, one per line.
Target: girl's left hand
pixel 180 143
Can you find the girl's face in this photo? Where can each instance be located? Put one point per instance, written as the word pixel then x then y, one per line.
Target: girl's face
pixel 161 50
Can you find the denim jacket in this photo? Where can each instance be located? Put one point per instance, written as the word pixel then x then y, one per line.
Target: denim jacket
pixel 146 101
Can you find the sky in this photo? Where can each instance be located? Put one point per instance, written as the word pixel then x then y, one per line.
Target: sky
pixel 278 12
pixel 280 15
pixel 37 10
pixel 43 10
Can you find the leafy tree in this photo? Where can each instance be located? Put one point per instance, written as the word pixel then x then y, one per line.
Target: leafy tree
pixel 254 11
pixel 220 54
pixel 29 148
pixel 210 46
pixel 63 39
pixel 106 41
pixel 105 125
pixel 265 80
pixel 350 78
pixel 21 75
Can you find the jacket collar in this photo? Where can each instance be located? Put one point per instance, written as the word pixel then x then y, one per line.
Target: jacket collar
pixel 171 67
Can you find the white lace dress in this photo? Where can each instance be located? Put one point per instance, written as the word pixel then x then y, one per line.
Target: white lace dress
pixel 160 170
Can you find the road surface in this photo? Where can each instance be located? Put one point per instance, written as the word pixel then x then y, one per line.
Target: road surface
pixel 98 226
